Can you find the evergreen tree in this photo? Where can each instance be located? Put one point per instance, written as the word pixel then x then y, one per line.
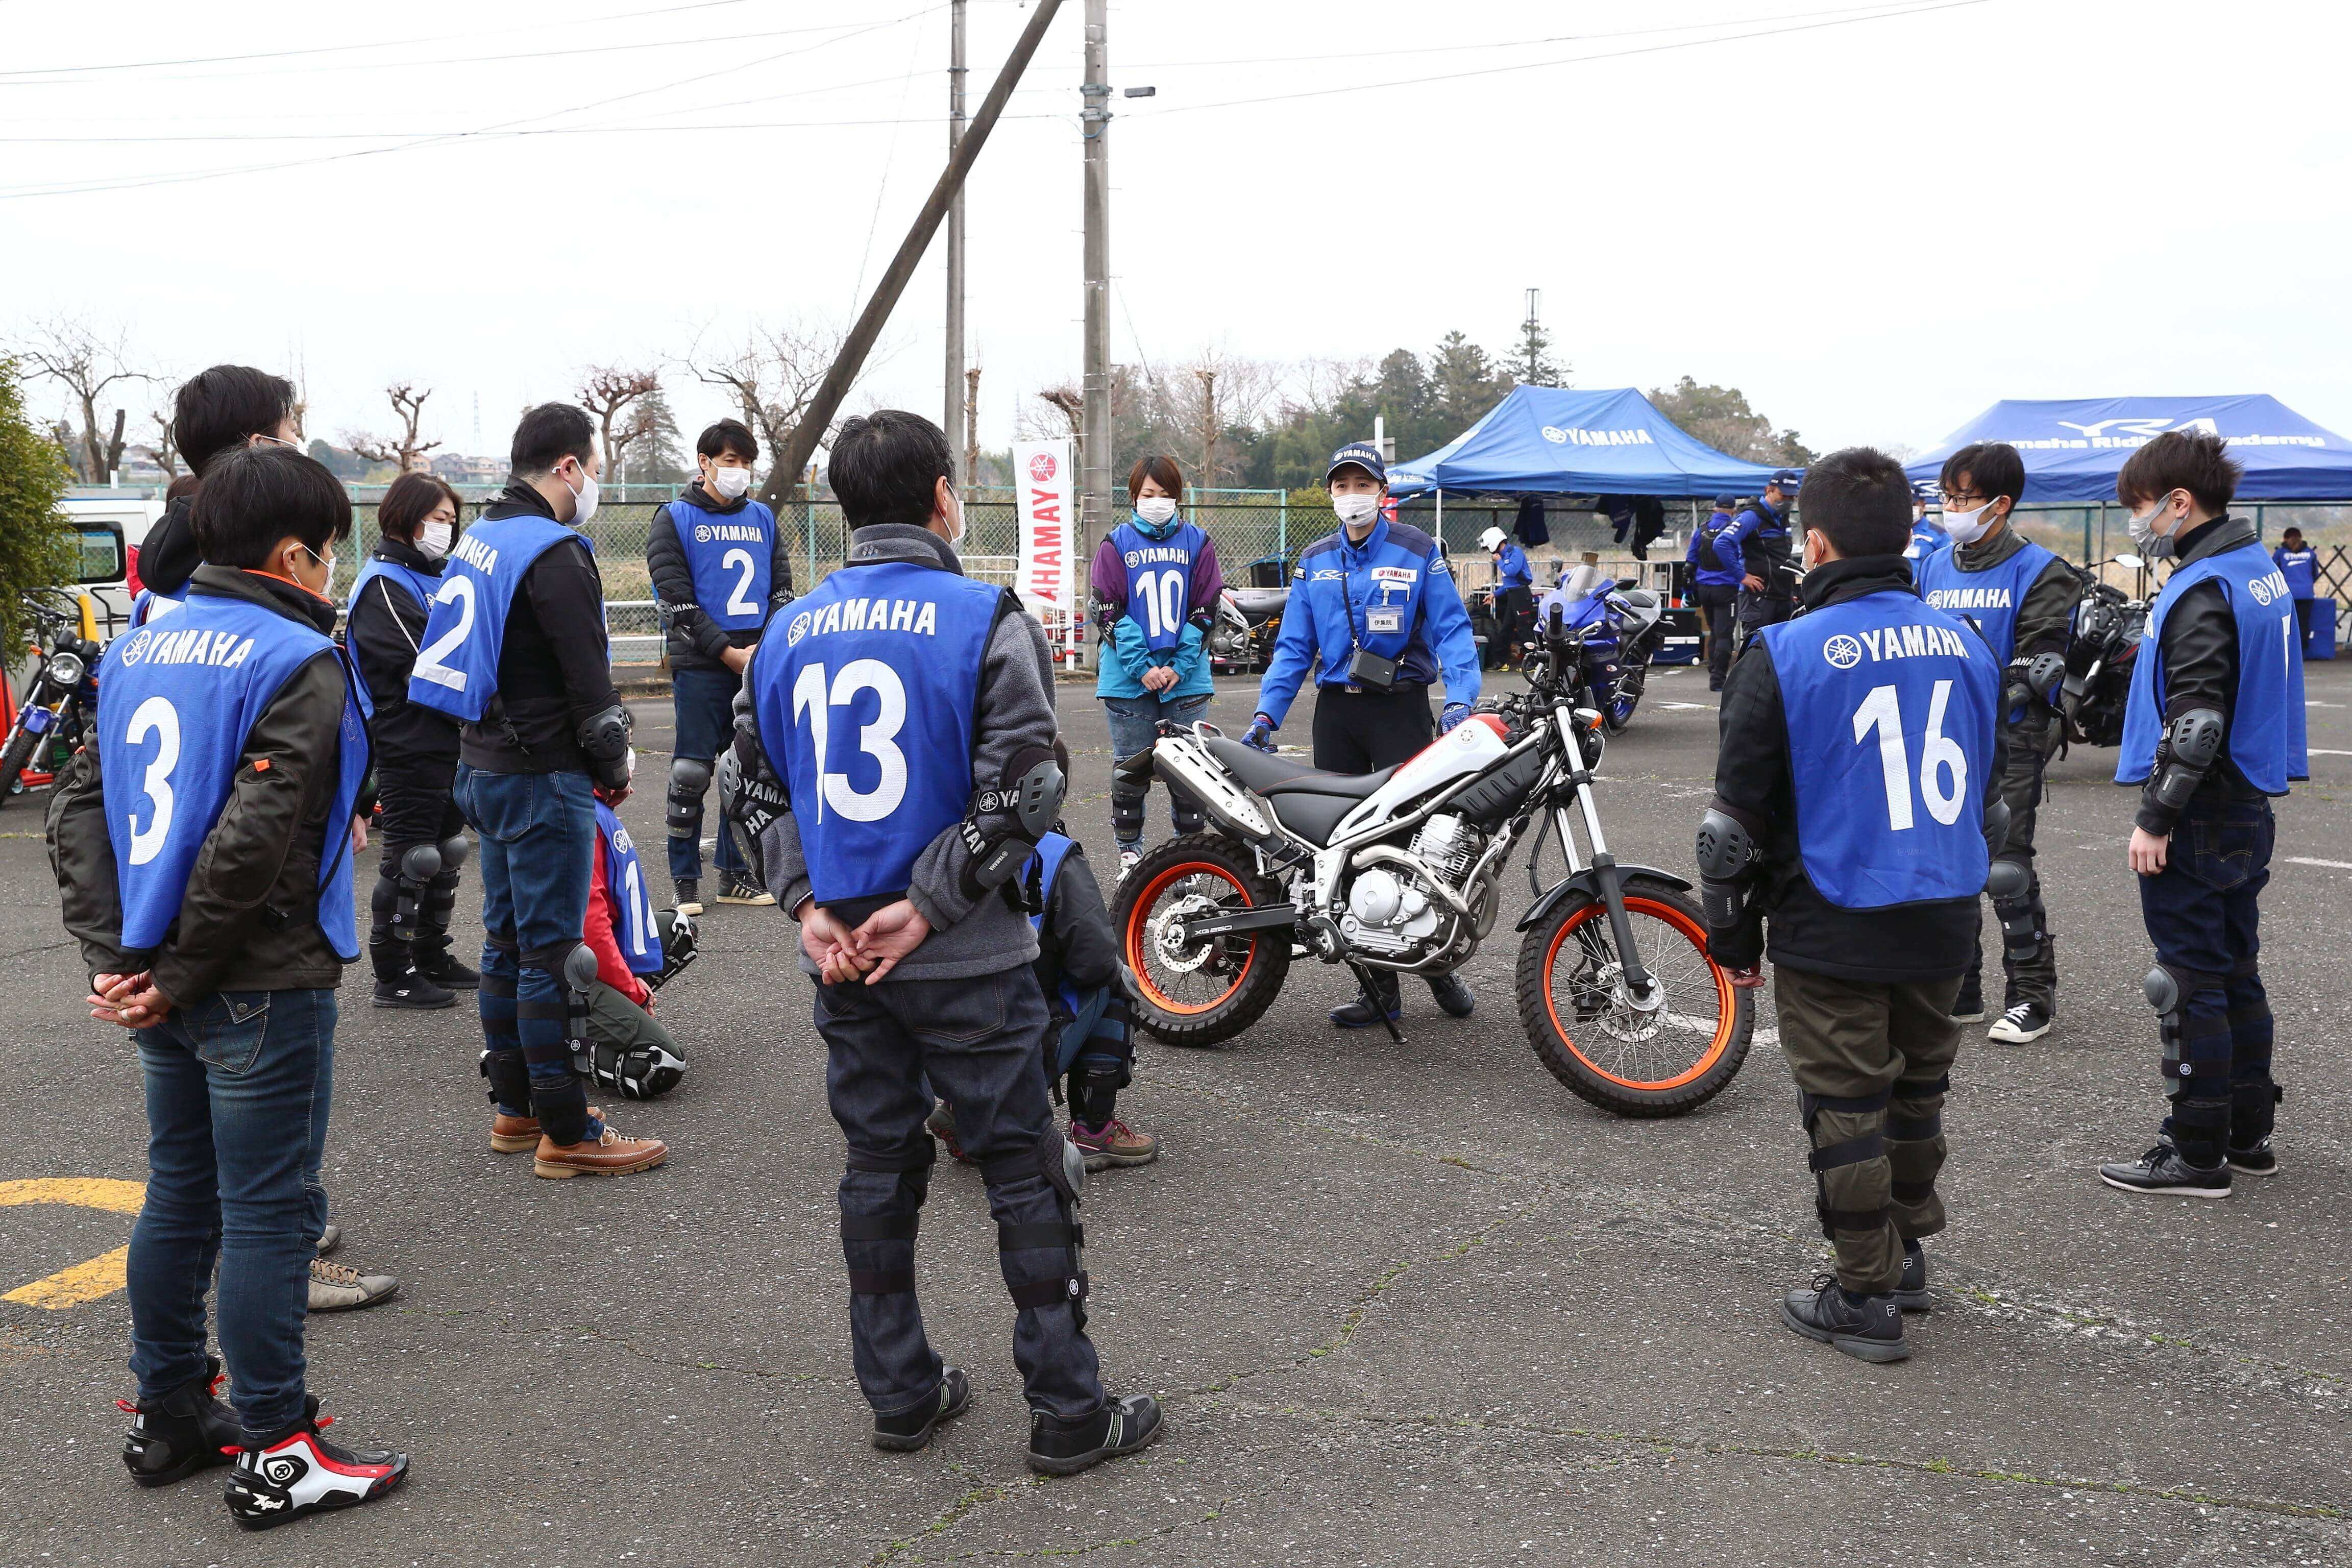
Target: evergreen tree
pixel 35 544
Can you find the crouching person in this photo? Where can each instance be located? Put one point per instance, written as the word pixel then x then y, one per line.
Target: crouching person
pixel 204 846
pixel 1856 806
pixel 637 948
pixel 893 765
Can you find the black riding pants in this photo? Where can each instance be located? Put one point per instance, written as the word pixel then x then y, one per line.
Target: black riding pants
pixel 1362 731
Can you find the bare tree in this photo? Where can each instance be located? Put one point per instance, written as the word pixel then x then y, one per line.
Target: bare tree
pixel 1072 405
pixel 971 425
pixel 85 360
pixel 772 374
pixel 615 397
pixel 162 449
pixel 406 450
pixel 1210 399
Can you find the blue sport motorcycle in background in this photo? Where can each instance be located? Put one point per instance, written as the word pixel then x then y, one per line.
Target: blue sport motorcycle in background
pixel 1611 633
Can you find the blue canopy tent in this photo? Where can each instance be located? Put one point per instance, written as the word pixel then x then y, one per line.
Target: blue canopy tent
pixel 2073 448
pixel 1550 440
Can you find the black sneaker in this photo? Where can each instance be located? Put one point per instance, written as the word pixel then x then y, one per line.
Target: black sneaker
pixel 1363 1013
pixel 414 993
pixel 904 1431
pixel 298 1472
pixel 1968 1008
pixel 734 889
pixel 2026 1022
pixel 2162 1170
pixel 1911 1291
pixel 690 896
pixel 182 1433
pixel 1868 1329
pixel 444 967
pixel 1059 1447
pixel 2258 1161
pixel 1453 995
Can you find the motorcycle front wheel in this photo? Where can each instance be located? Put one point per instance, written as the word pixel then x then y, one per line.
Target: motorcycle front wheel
pixel 1197 993
pixel 22 744
pixel 1627 696
pixel 1661 1054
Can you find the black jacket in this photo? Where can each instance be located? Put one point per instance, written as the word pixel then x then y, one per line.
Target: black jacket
pixel 385 629
pixel 1075 940
pixel 249 920
pixel 694 639
pixel 2200 670
pixel 556 666
pixel 169 557
pixel 1903 943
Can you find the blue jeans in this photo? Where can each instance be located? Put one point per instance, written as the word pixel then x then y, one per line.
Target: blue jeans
pixel 1134 724
pixel 237 1089
pixel 704 703
pixel 2201 912
pixel 538 831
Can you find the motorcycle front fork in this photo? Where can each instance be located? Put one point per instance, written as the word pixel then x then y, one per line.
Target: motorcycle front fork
pixel 1606 875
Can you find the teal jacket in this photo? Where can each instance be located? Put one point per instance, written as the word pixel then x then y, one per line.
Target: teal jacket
pixel 1120 672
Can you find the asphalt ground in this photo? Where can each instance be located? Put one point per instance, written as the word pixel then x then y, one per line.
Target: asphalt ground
pixel 1403 1304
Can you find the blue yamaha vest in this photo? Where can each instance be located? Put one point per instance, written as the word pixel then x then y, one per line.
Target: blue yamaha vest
pixel 634 931
pixel 866 707
pixel 1159 580
pixel 177 702
pixel 2301 568
pixel 1890 713
pixel 730 555
pixel 421 586
pixel 148 604
pixel 1927 540
pixel 1989 598
pixel 457 669
pixel 1043 868
pixel 2266 721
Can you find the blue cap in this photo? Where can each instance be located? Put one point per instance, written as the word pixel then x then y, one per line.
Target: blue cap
pixel 1787 480
pixel 1364 455
pixel 1924 490
pixel 1725 503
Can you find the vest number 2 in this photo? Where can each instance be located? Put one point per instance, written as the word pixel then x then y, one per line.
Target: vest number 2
pixel 1883 711
pixel 737 604
pixel 155 716
pixel 457 591
pixel 876 739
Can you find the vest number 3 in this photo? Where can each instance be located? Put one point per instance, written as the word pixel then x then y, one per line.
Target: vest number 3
pixel 876 739
pixel 1883 711
pixel 155 716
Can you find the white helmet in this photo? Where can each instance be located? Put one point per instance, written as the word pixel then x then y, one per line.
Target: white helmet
pixel 1493 539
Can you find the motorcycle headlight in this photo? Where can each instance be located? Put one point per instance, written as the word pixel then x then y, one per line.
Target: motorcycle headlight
pixel 67 668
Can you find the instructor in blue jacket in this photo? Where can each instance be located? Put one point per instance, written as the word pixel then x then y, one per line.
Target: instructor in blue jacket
pixel 1375 618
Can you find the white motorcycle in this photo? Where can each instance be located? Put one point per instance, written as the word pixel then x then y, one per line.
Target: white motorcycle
pixel 1402 869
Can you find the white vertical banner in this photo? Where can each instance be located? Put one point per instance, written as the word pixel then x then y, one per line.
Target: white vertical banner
pixel 1042 476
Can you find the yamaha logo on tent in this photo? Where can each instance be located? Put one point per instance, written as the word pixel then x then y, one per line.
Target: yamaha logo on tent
pixel 1841 651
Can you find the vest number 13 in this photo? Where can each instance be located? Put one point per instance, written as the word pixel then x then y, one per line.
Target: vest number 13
pixel 1883 711
pixel 876 739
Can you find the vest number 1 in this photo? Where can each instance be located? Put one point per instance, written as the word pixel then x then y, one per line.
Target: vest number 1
pixel 876 739
pixel 1883 711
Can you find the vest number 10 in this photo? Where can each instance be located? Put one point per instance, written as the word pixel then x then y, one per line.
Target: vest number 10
pixel 1883 711
pixel 878 740
pixel 1162 594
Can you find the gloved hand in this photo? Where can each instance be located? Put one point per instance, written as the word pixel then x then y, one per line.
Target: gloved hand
pixel 1261 733
pixel 1455 713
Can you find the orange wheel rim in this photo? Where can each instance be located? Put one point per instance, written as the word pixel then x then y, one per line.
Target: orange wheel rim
pixel 1726 998
pixel 1139 917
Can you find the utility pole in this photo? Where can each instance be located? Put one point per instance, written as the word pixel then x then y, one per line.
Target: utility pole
pixel 954 419
pixel 1095 458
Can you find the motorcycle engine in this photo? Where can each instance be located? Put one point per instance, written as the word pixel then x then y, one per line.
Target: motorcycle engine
pixel 1392 913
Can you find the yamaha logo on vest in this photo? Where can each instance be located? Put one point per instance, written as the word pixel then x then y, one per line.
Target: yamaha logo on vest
pixel 1841 651
pixel 2267 588
pixel 702 533
pixel 797 630
pixel 1969 598
pixel 747 532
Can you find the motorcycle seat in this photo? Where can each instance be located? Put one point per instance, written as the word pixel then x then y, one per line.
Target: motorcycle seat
pixel 1274 776
pixel 1259 601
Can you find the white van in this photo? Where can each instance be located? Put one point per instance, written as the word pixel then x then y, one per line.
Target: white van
pixel 108 524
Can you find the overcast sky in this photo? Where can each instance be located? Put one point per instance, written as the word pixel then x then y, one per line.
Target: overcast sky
pixel 1874 219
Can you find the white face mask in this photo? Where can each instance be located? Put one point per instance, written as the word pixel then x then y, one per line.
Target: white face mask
pixel 433 539
pixel 1156 510
pixel 1356 511
pixel 730 484
pixel 1968 527
pixel 583 498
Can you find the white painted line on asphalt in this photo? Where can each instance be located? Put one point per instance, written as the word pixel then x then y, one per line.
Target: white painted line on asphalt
pixel 2314 702
pixel 2306 860
pixel 2323 751
pixel 1702 707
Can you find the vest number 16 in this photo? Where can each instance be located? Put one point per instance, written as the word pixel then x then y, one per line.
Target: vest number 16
pixel 1883 711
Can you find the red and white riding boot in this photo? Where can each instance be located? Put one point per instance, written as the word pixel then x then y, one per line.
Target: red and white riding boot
pixel 300 1472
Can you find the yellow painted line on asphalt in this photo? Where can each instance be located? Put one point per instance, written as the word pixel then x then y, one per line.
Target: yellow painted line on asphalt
pixel 102 1276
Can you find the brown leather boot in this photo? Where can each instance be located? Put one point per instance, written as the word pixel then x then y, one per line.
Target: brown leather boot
pixel 608 1155
pixel 513 1134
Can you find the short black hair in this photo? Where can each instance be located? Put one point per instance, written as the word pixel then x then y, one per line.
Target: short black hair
pixel 255 496
pixel 550 432
pixel 217 409
pixel 1860 499
pixel 410 501
pixel 886 467
pixel 2297 532
pixel 2181 460
pixel 728 435
pixel 1992 468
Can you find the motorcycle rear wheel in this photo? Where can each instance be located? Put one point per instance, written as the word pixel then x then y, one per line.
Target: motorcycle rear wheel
pixel 1209 993
pixel 1666 1061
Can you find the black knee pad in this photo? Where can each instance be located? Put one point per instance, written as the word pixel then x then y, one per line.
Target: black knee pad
pixel 2194 1048
pixel 509 1077
pixel 1125 812
pixel 689 778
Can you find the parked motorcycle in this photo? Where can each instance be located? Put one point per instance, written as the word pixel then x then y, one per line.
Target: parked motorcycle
pixel 1402 869
pixel 59 695
pixel 1613 630
pixel 1248 620
pixel 2108 627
